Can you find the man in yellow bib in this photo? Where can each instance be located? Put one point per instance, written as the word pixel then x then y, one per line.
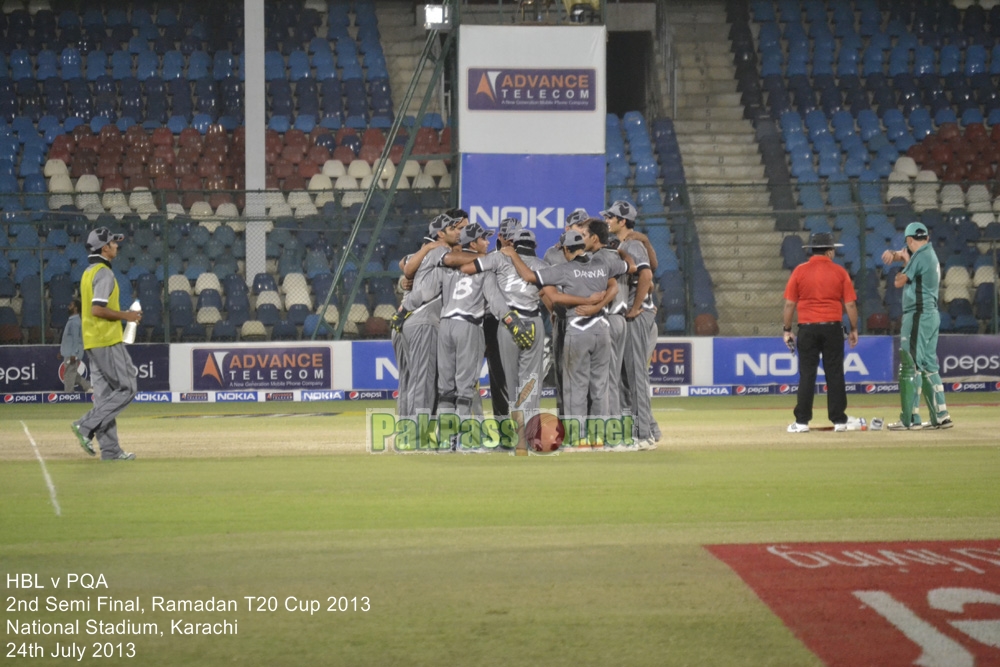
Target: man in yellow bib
pixel 113 374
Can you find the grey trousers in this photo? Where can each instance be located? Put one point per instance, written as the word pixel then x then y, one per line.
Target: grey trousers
pixel 114 388
pixel 519 366
pixel 617 332
pixel 640 341
pixel 421 362
pixel 586 361
pixel 72 377
pixel 399 347
pixel 461 346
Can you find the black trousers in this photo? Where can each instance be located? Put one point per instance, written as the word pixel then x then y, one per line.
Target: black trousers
pixel 826 341
pixel 498 381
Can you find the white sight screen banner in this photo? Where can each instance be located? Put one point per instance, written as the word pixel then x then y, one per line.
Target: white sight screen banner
pixel 532 89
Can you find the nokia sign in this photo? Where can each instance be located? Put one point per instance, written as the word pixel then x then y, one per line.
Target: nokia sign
pixel 235 397
pixel 710 391
pixel 767 361
pixel 322 395
pixel 152 397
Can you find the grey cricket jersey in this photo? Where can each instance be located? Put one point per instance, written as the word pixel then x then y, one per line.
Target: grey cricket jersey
pixel 581 277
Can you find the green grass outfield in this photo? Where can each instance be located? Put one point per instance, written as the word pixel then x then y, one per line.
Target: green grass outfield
pixel 576 559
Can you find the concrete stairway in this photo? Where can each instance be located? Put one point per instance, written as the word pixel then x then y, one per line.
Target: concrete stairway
pixel 402 42
pixel 718 146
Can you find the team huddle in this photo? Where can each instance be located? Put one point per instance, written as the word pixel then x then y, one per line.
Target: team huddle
pixel 593 288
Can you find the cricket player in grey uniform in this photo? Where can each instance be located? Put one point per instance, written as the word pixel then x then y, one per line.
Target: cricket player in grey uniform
pixel 554 256
pixel 586 355
pixel 522 367
pixel 498 380
pixel 419 316
pixel 114 374
pixel 620 265
pixel 640 326
pixel 461 343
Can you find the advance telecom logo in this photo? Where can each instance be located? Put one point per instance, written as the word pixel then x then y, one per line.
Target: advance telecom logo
pixel 554 89
pixel 244 369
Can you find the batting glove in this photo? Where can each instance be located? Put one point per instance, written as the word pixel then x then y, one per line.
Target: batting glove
pixel 398 318
pixel 523 331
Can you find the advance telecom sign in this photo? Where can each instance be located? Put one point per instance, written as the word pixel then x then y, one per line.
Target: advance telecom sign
pixel 532 89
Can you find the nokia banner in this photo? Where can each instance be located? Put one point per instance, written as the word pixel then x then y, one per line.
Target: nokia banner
pixel 745 361
pixel 538 190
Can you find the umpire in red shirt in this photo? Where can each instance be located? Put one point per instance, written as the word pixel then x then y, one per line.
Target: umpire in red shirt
pixel 821 291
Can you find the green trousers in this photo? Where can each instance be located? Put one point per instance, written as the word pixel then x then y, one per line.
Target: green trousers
pixel 918 368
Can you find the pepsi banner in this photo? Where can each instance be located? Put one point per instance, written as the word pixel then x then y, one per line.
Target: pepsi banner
pixel 962 357
pixel 37 368
pixel 242 369
pixel 538 190
pixel 746 361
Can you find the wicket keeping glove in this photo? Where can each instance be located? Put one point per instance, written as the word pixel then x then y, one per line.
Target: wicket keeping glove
pixel 398 318
pixel 522 330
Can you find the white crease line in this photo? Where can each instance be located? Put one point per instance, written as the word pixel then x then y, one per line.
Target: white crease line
pixel 45 471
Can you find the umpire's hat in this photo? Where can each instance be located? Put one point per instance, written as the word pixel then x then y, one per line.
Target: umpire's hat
pixel 823 241
pixel 100 237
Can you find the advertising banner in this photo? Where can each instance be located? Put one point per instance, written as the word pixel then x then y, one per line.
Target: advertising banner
pixel 532 89
pixel 539 190
pixel 671 363
pixel 245 368
pixel 745 361
pixel 374 367
pixel 30 368
pixel 969 357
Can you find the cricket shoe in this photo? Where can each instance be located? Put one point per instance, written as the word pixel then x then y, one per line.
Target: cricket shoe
pixel 121 456
pixel 900 426
pixel 944 423
pixel 82 439
pixel 796 427
pixel 645 445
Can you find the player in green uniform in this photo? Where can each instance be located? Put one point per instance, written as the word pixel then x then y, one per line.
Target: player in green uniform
pixel 918 336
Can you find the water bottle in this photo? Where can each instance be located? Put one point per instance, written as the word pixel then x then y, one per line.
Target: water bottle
pixel 128 337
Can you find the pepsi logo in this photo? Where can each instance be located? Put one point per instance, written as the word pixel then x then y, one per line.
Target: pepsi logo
pixel 483 393
pixel 869 389
pixel 784 389
pixel 741 389
pixel 395 393
pixel 52 398
pixel 352 395
pixel 826 388
pixel 956 386
pixel 8 398
pixel 997 386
